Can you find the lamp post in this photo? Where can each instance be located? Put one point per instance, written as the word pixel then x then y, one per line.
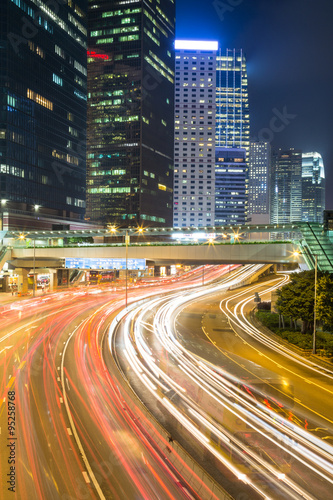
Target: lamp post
pixel 315 305
pixel 34 267
pixel 126 257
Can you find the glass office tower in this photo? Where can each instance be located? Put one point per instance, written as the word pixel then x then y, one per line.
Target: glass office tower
pixel 232 133
pixel 232 102
pixel 130 112
pixel 259 182
pixel 313 187
pixel 230 186
pixel 43 107
pixel 286 188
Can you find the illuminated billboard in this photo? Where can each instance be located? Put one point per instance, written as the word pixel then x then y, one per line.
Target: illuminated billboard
pixel 91 263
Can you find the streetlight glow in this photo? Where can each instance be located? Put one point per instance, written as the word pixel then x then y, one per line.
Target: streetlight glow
pixel 112 229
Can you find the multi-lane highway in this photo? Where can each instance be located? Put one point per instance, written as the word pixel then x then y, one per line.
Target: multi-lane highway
pixel 84 383
pixel 263 415
pixel 66 429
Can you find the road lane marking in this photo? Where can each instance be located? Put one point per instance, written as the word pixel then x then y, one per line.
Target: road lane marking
pixel 69 431
pixel 276 363
pixel 10 383
pixel 70 418
pixel 21 365
pixel 7 347
pixel 86 477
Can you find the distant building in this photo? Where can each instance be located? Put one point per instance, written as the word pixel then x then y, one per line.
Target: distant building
pixel 43 92
pixel 313 187
pixel 195 109
pixel 130 112
pixel 230 186
pixel 286 188
pixel 259 183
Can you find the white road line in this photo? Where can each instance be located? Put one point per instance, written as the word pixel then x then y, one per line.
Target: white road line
pixel 69 431
pixel 76 436
pixel 86 477
pixel 7 347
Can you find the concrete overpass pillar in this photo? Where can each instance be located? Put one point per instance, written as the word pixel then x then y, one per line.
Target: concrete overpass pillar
pixel 22 281
pixel 53 275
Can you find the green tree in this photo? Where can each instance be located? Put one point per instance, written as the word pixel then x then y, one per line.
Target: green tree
pixel 296 299
pixel 324 309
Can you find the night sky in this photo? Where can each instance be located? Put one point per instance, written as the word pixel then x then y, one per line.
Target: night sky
pixel 288 45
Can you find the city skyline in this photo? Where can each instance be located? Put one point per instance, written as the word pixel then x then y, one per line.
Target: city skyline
pixel 286 49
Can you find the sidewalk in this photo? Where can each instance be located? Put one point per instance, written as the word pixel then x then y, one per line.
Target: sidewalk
pixel 8 298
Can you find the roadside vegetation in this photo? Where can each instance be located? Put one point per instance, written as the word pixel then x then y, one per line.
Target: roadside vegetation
pixel 294 318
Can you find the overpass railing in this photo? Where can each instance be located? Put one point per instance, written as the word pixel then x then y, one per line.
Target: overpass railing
pixel 5 252
pixel 317 243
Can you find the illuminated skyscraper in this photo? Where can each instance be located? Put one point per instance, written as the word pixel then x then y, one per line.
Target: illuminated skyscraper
pixel 130 112
pixel 230 186
pixel 43 92
pixel 259 183
pixel 313 187
pixel 232 133
pixel 195 108
pixel 286 186
pixel 232 102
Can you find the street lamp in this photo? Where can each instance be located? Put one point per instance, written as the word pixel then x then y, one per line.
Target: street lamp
pixel 34 266
pixel 315 305
pixel 127 240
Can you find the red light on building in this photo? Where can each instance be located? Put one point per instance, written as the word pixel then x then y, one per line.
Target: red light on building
pixel 97 56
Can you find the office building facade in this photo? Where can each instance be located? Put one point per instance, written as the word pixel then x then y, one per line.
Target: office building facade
pixel 232 101
pixel 195 110
pixel 259 182
pixel 232 134
pixel 286 188
pixel 130 112
pixel 231 196
pixel 313 187
pixel 43 108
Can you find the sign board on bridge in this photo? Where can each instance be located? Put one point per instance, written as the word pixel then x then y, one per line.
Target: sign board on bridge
pixel 92 263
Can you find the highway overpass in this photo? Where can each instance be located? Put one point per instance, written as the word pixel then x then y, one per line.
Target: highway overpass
pixel 193 254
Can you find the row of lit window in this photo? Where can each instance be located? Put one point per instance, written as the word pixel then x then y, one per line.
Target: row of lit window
pixel 193 57
pixel 115 31
pixel 162 63
pixel 161 71
pixel 39 99
pixel 155 23
pixel 121 12
pixel 44 23
pixel 152 37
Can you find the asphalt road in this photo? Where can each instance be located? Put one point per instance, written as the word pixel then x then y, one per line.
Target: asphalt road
pixel 273 410
pixel 65 430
